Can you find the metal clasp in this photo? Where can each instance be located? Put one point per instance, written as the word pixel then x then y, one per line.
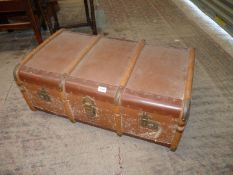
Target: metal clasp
pixel 147 122
pixel 43 95
pixel 89 106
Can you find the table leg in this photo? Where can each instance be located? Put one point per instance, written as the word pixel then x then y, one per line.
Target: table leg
pixel 34 22
pixel 87 11
pixel 56 25
pixel 93 21
pixel 43 13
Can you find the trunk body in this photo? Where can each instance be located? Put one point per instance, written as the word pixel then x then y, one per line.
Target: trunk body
pixel 127 87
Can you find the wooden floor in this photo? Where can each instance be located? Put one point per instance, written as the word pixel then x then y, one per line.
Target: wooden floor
pixel 40 143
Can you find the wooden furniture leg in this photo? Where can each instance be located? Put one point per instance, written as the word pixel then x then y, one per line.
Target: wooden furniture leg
pixel 34 22
pixel 87 11
pixel 93 21
pixel 54 12
pixel 90 17
pixel 47 10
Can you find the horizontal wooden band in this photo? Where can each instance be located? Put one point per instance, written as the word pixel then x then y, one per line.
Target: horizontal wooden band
pixel 132 63
pixel 34 51
pixel 118 120
pixel 63 96
pixel 68 70
pixel 24 61
pixel 81 55
pixel 187 98
pixel 189 80
pixel 123 83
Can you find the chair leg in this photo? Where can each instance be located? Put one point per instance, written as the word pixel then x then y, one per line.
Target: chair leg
pixel 34 22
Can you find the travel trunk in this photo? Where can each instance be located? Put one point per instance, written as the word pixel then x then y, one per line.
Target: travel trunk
pixel 127 87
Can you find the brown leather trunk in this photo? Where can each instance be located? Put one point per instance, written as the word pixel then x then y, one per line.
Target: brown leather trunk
pixel 127 87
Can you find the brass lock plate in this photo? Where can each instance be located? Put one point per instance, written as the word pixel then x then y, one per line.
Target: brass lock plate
pixel 89 106
pixel 43 95
pixel 147 122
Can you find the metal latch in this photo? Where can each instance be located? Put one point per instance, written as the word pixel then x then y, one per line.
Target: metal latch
pixel 147 122
pixel 89 106
pixel 43 95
